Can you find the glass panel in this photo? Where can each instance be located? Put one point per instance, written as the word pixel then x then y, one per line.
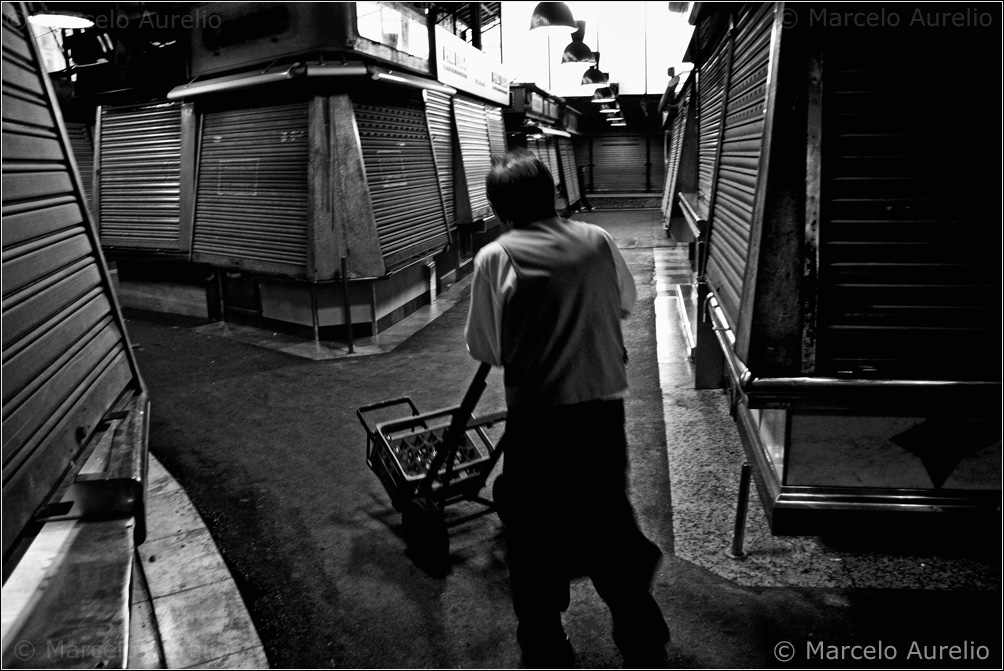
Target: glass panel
pixel 392 27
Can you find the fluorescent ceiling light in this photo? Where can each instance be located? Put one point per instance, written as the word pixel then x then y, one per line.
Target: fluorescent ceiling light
pixel 62 19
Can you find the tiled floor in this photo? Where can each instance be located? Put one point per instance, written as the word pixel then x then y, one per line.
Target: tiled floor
pixel 186 611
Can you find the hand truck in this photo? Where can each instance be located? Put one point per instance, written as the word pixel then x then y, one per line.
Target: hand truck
pixel 427 461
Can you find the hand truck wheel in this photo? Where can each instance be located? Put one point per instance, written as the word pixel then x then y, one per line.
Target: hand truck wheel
pixel 499 493
pixel 425 532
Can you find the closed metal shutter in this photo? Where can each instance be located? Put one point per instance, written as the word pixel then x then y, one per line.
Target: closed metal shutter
pixel 675 148
pixel 66 361
pixel 902 294
pixel 139 180
pixel 252 191
pixel 583 159
pixel 538 148
pixel 401 175
pixel 739 162
pixel 568 170
pixel 710 86
pixel 619 163
pixel 656 165
pixel 542 149
pixel 676 152
pixel 496 130
pixel 437 109
pixel 82 143
pixel 475 150
pixel 550 146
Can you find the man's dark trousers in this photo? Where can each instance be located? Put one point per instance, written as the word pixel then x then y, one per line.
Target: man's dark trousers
pixel 568 514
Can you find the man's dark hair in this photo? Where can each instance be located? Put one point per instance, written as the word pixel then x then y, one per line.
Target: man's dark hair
pixel 520 188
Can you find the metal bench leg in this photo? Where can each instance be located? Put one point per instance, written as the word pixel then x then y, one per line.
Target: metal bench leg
pixel 737 552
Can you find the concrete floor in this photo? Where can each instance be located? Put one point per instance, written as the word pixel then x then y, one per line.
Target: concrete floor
pixel 261 433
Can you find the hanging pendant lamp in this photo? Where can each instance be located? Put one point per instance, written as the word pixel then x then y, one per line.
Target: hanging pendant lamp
pixel 594 76
pixel 553 17
pixel 577 51
pixel 604 95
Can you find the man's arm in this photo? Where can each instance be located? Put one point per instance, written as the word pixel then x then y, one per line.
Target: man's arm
pixel 625 280
pixel 484 319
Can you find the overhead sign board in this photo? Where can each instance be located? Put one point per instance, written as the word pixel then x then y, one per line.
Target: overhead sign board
pixel 468 69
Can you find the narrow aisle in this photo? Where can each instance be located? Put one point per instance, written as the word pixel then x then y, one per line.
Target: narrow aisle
pixel 269 450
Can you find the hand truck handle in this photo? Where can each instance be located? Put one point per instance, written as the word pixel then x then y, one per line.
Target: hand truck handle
pixel 363 409
pixel 458 426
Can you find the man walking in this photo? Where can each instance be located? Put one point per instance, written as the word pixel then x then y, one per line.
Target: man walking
pixel 547 300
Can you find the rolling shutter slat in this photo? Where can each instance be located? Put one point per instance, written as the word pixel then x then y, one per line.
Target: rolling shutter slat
pixel 65 357
pixel 253 187
pixel 738 168
pixel 543 149
pixel 901 296
pixel 569 171
pixel 583 158
pixel 139 181
pixel 676 147
pixel 619 163
pixel 711 83
pixel 496 130
pixel 403 184
pixel 437 109
pixel 475 150
pixel 82 143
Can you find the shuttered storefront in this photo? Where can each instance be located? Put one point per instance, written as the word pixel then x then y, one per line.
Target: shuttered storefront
pixel 401 174
pixel 475 150
pixel 584 159
pixel 568 170
pixel 252 195
pixel 675 149
pixel 66 361
pixel 496 130
pixel 710 87
pixel 438 111
pixel 739 161
pixel 82 143
pixel 139 180
pixel 656 179
pixel 619 163
pixel 544 148
pixel 905 289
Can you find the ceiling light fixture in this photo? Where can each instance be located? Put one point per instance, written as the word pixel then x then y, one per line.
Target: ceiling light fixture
pixel 577 51
pixel 61 19
pixel 594 77
pixel 604 95
pixel 54 17
pixel 552 17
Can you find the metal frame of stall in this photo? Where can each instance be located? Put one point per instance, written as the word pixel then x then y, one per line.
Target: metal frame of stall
pixel 758 332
